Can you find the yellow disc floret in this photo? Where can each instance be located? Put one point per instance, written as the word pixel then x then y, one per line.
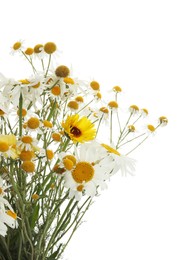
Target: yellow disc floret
pixel 94 85
pixel 83 172
pixel 49 154
pixel 26 155
pixel 33 123
pixel 151 128
pixel 117 89
pixel 28 166
pixel 56 90
pixel 35 196
pixel 38 48
pixel 47 124
pixel 16 46
pixel 113 104
pixel 68 80
pixel 131 128
pixel 79 99
pixel 62 71
pixel 134 108
pixel 104 110
pixel 29 51
pixel 50 47
pixel 73 105
pixel 27 139
pixel 56 137
pixel 70 157
pixel 4 147
pixel 68 164
pixel 163 120
pixel 23 112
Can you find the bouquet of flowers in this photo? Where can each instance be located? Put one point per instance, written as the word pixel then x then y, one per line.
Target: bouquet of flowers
pixel 60 143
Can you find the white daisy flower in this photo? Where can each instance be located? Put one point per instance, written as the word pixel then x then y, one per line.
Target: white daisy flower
pixel 119 161
pixel 27 143
pixel 17 47
pixel 88 173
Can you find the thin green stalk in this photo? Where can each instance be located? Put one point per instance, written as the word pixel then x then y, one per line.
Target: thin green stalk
pixel 30 61
pixel 49 62
pixel 111 127
pixel 138 145
pixel 20 114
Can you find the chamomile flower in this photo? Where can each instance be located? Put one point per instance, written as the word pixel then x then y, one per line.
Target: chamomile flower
pixel 7 146
pixel 88 173
pixel 34 124
pixel 7 218
pixel 27 143
pixel 150 129
pixel 119 161
pixel 17 47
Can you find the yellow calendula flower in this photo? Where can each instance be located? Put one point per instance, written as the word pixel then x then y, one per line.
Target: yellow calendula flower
pixel 79 129
pixel 9 139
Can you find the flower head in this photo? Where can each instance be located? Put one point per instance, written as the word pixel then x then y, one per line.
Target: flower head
pixel 79 129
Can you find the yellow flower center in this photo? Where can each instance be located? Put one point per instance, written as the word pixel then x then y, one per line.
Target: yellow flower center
pixel 1 191
pixel 117 89
pixel 47 124
pixel 73 104
pixel 62 71
pixel 16 46
pixel 163 120
pixel 104 110
pixel 94 85
pixel 23 112
pixel 98 95
pixel 38 48
pixel 49 154
pixel 131 128
pixel 35 196
pixel 4 147
pixel 27 139
pixel 151 128
pixel 26 155
pixel 71 157
pixel 68 81
pixel 110 149
pixel 52 186
pixel 145 111
pixel 28 166
pixel 80 188
pixel 29 51
pixel 56 90
pixel 11 214
pixel 79 99
pixel 2 113
pixel 36 85
pixel 56 137
pixel 33 123
pixel 113 104
pixel 83 172
pixel 68 164
pixel 134 108
pixel 50 47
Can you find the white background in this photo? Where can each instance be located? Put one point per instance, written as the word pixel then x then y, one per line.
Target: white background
pixel 146 47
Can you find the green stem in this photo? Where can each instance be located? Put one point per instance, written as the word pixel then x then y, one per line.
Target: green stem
pixel 20 114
